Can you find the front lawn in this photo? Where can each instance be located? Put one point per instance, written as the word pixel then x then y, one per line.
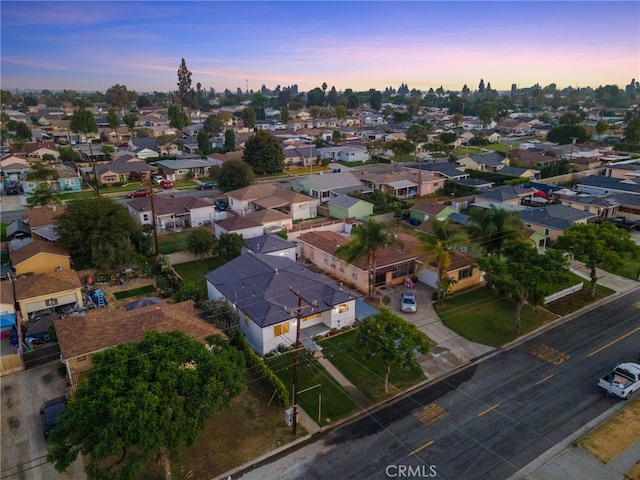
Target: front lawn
pixel 367 374
pixel 629 268
pixel 329 401
pixel 483 316
pixel 196 270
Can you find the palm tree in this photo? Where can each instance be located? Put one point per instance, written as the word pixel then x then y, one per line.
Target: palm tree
pixel 367 239
pixel 439 245
pixel 492 227
pixel 42 194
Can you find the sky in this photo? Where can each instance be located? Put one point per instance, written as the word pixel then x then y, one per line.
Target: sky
pixel 93 45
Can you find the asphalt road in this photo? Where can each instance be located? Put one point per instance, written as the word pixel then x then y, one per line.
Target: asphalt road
pixel 489 420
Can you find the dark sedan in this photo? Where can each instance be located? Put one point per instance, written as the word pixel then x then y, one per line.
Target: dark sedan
pixel 50 412
pixel 206 186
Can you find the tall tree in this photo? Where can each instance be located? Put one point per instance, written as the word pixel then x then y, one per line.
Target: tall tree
pixel 632 130
pixel 201 241
pixel 130 120
pixel 491 228
pixel 145 400
pixel 315 97
pixel 120 97
pixel 249 117
pixel 113 120
pixel 235 174
pixel 375 99
pixel 184 84
pixel 366 241
pixel 215 123
pixel 400 149
pixel 230 245
pixel 525 275
pixel 598 245
pixel 386 335
pixel 263 153
pixel 204 145
pixel 438 244
pixel 229 141
pixel 83 121
pixel 166 142
pixel 100 231
pixel 178 118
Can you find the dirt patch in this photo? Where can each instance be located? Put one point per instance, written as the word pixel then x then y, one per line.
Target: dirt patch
pixel 613 437
pixel 109 290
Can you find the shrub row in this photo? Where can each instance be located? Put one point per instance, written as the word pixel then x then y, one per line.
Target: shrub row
pixel 254 361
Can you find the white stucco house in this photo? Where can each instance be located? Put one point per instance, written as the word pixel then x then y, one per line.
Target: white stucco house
pixel 262 289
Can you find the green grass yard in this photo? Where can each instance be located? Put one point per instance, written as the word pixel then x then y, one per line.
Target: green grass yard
pixel 367 374
pixel 136 292
pixel 172 242
pixel 196 271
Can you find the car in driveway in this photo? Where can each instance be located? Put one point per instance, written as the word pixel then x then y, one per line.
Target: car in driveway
pixel 206 186
pixel 221 205
pixel 140 192
pixel 50 413
pixel 165 184
pixel 408 303
pixel 13 189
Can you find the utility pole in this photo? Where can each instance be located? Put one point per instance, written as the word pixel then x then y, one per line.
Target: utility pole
pixel 298 311
pixel 153 221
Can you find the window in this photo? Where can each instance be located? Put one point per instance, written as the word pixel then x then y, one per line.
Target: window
pixel 546 232
pixel 343 308
pixel 31 185
pixel 341 266
pixel 354 272
pixel 311 252
pixel 281 329
pixel 326 259
pixel 183 171
pixel 145 217
pixel 465 273
pixel 311 317
pixel 70 182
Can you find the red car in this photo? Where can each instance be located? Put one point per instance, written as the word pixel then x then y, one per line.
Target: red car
pixel 166 184
pixel 141 192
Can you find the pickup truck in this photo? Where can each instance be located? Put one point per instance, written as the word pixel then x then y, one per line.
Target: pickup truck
pixel 622 381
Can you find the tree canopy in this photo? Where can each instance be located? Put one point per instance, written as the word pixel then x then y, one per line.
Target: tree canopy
pixel 491 228
pixel 235 174
pixel 263 153
pixel 177 117
pixel 597 244
pixel 201 241
pixel 145 400
pixel 230 245
pixel 390 337
pixel 563 134
pixel 100 231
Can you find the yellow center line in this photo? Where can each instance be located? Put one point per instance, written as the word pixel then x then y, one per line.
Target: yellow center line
pixel 420 448
pixel 614 342
pixel 544 379
pixel 489 409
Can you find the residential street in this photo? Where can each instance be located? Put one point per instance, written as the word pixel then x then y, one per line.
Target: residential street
pixel 489 420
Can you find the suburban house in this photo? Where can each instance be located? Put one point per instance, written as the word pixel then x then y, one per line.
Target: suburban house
pixel 484 161
pixel 12 165
pixel 405 183
pixel 519 172
pixel 47 290
pixel 552 220
pixel 324 186
pixel 424 209
pixel 300 155
pixel 271 245
pixel 41 221
pixel 262 288
pixel 603 206
pixel 121 169
pixel 510 194
pixel 451 171
pixel 265 195
pixel 68 181
pixel 272 220
pixel 625 171
pixel 39 257
pixel 81 337
pixel 393 265
pixel 183 168
pixel 345 153
pixel 462 270
pixel 601 185
pixel 344 206
pixel 144 147
pixel 534 158
pixel 238 224
pixel 172 212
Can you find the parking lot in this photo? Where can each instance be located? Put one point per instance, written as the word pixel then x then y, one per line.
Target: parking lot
pixel 24 448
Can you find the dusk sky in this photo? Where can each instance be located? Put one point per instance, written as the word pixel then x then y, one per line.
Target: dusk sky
pixel 89 46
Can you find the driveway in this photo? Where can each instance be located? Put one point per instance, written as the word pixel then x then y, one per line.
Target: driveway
pixel 451 350
pixel 24 448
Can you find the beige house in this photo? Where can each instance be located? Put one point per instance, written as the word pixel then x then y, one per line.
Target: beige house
pixel 393 264
pixel 47 290
pixel 81 337
pixel 40 257
pixel 405 183
pixel 265 195
pixel 462 270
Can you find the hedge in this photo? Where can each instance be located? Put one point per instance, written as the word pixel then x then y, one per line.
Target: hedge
pixel 256 362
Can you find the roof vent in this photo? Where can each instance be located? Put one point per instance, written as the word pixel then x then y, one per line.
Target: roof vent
pixel 276 271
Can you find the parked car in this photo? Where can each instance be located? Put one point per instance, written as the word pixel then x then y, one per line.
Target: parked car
pixel 221 205
pixel 408 303
pixel 206 186
pixel 13 189
pixel 140 192
pixel 157 177
pixel 165 184
pixel 50 413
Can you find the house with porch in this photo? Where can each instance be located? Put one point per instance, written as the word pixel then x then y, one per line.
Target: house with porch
pixel 262 289
pixel 68 181
pixel 405 183
pixel 393 265
pixel 173 212
pixel 266 195
pixel 181 169
pixel 325 186
pixel 81 337
pixel 121 169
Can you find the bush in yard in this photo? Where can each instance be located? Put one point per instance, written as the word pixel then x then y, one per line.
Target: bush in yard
pixel 188 290
pixel 262 369
pixel 201 241
pixel 220 313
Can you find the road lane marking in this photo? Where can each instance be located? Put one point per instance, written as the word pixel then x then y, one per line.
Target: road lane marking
pixel 614 342
pixel 430 414
pixel 544 379
pixel 550 355
pixel 420 448
pixel 637 304
pixel 488 410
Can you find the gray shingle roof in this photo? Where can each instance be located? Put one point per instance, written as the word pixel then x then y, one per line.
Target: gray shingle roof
pixel 555 216
pixel 260 286
pixel 267 243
